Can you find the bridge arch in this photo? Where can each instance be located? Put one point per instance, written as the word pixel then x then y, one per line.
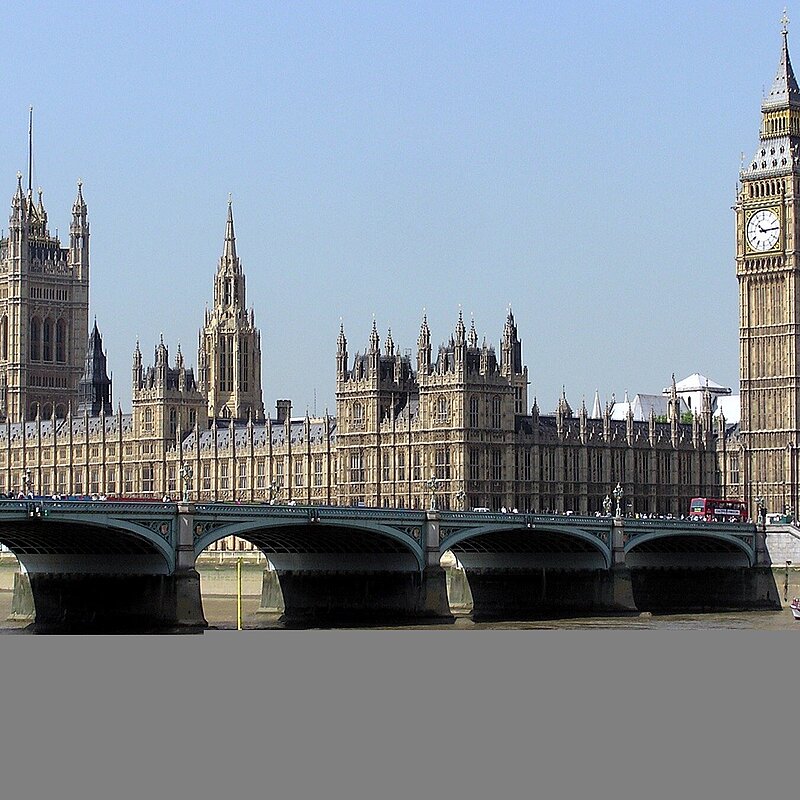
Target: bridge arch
pixel 562 540
pixel 309 536
pixel 53 536
pixel 666 547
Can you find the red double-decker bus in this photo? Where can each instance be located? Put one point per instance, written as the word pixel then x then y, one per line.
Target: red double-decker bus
pixel 713 509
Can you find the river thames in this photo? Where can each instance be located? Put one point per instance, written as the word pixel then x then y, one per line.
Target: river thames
pixel 220 612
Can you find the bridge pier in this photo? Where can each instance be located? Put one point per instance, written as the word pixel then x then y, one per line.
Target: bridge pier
pixel 114 602
pixel 549 592
pixel 331 597
pixel 686 590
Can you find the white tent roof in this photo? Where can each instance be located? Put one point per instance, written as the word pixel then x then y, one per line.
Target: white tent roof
pixel 696 382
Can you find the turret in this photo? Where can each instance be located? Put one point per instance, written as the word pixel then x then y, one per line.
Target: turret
pixel 341 354
pixel 424 348
pixel 94 389
pixel 511 348
pixel 18 225
pixel 79 237
pixel 583 416
pixel 374 352
pixel 136 380
pixel 460 343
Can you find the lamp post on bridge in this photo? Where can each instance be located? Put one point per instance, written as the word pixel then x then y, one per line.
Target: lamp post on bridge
pixel 186 474
pixel 26 482
pixel 618 494
pixel 607 503
pixel 761 511
pixel 432 485
pixel 274 488
pixel 461 497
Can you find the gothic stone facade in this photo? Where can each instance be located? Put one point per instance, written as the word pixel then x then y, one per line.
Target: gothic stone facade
pixel 44 310
pixel 455 423
pixel 457 426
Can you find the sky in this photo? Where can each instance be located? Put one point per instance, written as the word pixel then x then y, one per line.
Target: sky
pixel 577 161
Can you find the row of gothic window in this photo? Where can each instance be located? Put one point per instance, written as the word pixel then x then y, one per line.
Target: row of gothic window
pixel 226 372
pixel 46 410
pixel 441 413
pixel 766 188
pixel 48 340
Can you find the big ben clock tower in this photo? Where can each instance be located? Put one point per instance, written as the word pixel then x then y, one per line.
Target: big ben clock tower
pixel 768 270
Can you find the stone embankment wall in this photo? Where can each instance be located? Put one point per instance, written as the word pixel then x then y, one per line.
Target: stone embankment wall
pixel 783 544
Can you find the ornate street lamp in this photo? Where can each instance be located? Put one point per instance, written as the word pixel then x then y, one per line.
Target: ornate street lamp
pixel 186 473
pixel 761 509
pixel 607 503
pixel 618 493
pixel 26 482
pixel 432 484
pixel 461 497
pixel 274 488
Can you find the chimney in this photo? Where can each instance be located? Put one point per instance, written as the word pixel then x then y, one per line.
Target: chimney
pixel 284 410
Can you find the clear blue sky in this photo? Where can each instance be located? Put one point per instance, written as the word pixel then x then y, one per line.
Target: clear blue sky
pixel 577 160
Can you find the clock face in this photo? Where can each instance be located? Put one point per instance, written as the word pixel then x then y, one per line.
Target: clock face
pixel 763 230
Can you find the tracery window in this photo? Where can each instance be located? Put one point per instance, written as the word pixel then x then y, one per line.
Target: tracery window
pixel 473 412
pixel 496 412
pixel 36 332
pixel 61 341
pixel 442 463
pixel 47 340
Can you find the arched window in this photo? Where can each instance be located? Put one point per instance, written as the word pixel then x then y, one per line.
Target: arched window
pixel 173 421
pixel 358 416
pixel 223 363
pixel 442 411
pixel 148 420
pixel 244 366
pixel 36 339
pixel 47 340
pixel 497 417
pixel 61 341
pixel 473 412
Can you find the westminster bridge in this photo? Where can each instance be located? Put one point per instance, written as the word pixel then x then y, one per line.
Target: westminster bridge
pixel 118 564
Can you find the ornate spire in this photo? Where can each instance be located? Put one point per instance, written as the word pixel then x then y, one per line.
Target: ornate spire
pixel 79 206
pixel 596 407
pixel 563 404
pixel 472 337
pixel 424 330
pixel 461 330
pixel 374 339
pixel 94 388
pixel 784 91
pixel 229 251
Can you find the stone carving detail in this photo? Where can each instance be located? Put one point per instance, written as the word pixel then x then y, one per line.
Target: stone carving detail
pixel 202 528
pixel 162 527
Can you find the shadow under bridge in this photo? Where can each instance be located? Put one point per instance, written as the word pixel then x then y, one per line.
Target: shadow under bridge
pixel 524 566
pixel 334 564
pixel 313 538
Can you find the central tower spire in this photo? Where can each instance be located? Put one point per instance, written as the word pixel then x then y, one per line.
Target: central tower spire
pixel 230 344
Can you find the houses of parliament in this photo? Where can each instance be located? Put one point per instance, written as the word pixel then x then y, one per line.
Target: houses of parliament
pixel 454 422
